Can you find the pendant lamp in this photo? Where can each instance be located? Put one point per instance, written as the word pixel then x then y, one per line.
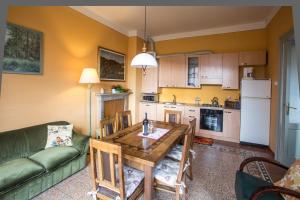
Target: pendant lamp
pixel 144 60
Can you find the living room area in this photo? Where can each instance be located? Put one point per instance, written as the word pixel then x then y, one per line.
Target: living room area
pixel 82 118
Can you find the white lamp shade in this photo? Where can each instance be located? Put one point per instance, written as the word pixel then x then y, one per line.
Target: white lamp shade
pixel 144 59
pixel 89 75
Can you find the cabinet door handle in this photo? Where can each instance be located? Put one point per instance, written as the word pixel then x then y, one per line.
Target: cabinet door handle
pixel 227 112
pixel 147 105
pixel 192 116
pixel 173 107
pixel 192 110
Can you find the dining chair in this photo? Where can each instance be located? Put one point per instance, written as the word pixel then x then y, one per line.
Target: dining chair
pixel 172 116
pixel 107 127
pixel 169 175
pixel 123 119
pixel 124 183
pixel 176 151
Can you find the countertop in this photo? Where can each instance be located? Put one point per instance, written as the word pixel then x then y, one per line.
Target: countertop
pixel 192 105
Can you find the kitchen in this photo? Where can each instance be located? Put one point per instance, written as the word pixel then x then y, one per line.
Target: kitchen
pixel 224 77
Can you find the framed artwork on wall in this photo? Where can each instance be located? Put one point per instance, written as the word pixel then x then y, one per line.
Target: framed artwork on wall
pixel 22 50
pixel 111 65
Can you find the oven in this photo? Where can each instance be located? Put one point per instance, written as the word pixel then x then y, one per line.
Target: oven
pixel 211 119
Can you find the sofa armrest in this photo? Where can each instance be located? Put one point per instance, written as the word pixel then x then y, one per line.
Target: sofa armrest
pixel 80 142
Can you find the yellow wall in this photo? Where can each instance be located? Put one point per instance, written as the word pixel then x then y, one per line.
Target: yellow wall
pixel 135 78
pixel 219 43
pixel 281 24
pixel 70 43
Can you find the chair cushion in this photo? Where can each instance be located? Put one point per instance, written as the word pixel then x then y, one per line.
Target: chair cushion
pixel 53 157
pixel 176 152
pixel 132 177
pixel 246 185
pixel 167 171
pixel 17 171
pixel 291 179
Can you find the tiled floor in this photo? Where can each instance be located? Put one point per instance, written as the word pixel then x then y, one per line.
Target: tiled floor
pixel 214 174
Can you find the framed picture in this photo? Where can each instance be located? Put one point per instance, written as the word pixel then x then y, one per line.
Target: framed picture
pixel 22 50
pixel 111 65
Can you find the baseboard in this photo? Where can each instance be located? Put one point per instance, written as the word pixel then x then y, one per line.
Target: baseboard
pixel 254 144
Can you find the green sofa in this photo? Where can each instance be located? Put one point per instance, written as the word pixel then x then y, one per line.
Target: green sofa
pixel 27 169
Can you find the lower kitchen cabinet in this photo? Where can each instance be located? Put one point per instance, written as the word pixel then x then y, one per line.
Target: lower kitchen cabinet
pixel 231 125
pixel 191 112
pixel 149 108
pixel 162 107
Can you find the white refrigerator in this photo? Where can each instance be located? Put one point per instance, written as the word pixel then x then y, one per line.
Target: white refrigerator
pixel 255 111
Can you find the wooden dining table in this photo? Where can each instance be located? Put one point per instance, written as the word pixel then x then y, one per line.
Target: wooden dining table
pixel 145 153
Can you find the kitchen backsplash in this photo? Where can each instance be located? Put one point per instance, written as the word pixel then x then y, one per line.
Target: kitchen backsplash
pixel 206 93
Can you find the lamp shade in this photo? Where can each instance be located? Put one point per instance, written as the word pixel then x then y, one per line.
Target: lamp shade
pixel 144 59
pixel 89 75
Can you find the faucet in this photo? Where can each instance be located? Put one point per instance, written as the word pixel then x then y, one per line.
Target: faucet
pixel 174 99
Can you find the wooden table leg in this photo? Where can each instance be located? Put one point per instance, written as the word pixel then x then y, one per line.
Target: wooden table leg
pixel 148 185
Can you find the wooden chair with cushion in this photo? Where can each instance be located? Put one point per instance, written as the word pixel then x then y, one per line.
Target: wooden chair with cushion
pixel 123 119
pixel 124 182
pixel 249 187
pixel 107 127
pixel 172 116
pixel 169 175
pixel 176 152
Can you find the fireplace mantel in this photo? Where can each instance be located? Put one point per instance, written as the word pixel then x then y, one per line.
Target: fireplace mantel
pixel 102 97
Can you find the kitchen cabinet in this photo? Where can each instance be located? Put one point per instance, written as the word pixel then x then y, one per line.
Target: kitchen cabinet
pixel 150 81
pixel 231 125
pixel 150 109
pixel 210 69
pixel 192 71
pixel 191 112
pixel 162 107
pixel 251 58
pixel 172 71
pixel 230 71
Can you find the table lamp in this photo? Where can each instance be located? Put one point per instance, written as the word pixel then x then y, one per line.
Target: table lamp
pixel 89 76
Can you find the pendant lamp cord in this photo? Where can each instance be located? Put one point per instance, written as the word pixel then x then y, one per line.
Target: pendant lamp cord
pixel 145 24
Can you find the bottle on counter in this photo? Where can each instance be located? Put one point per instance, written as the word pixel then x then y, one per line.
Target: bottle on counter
pixel 145 125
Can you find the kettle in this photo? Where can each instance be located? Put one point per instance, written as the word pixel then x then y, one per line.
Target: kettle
pixel 215 102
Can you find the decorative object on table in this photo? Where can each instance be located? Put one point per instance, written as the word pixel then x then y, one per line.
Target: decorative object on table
pixel 203 140
pixel 22 50
pixel 60 135
pixel 118 89
pixel 144 60
pixel 111 65
pixel 157 133
pixel 145 125
pixel 89 76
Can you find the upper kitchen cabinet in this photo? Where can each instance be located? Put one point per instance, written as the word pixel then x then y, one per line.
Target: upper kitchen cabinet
pixel 210 69
pixel 150 81
pixel 252 58
pixel 172 71
pixel 192 71
pixel 230 71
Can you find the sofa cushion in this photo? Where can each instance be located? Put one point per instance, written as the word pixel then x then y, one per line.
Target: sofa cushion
pixel 59 135
pixel 246 185
pixel 53 157
pixel 17 171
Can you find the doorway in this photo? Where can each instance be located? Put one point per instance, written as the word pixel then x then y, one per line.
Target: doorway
pixel 288 132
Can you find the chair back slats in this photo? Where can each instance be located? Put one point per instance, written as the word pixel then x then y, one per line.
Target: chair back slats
pixel 107 127
pixel 185 153
pixel 193 127
pixel 124 119
pixel 172 116
pixel 97 149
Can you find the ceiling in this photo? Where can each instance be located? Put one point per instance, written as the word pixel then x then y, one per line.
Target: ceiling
pixel 170 22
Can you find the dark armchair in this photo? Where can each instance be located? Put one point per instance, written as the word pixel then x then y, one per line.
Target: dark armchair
pixel 248 187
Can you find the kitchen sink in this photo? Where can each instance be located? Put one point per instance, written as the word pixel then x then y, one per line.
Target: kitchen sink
pixel 171 103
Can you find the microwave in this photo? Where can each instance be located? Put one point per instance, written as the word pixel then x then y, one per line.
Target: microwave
pixel 149 97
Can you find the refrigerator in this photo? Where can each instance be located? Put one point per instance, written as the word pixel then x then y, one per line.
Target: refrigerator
pixel 255 111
